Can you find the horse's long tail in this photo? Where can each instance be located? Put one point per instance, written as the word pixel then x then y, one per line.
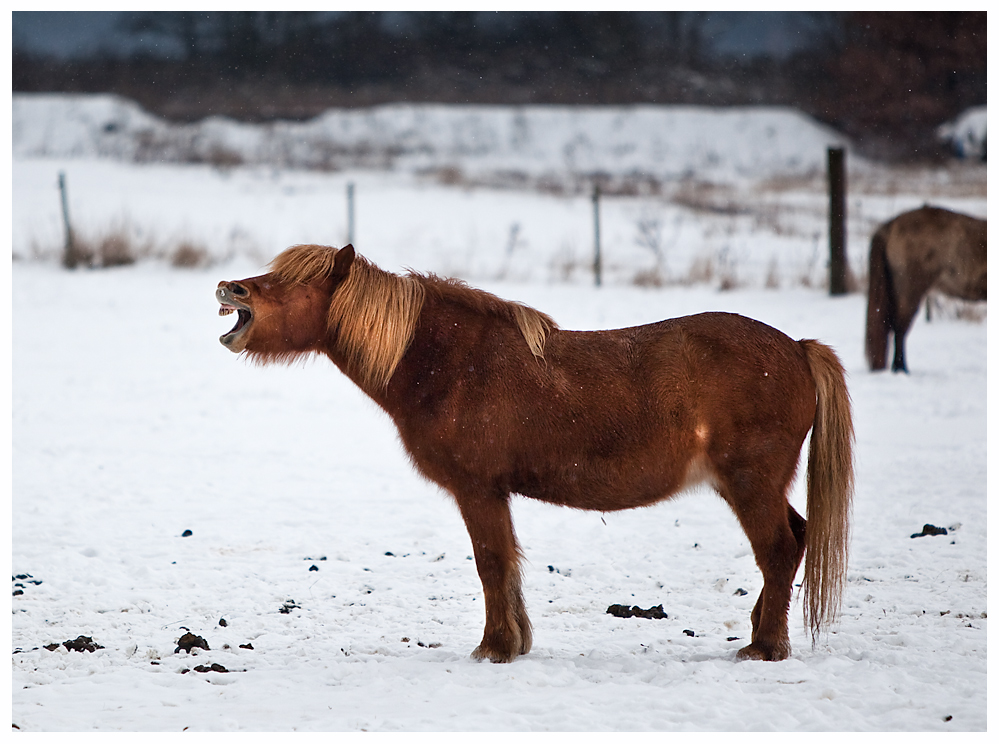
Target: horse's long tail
pixel 879 301
pixel 830 489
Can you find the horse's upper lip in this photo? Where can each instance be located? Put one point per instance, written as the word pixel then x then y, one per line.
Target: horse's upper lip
pixel 234 339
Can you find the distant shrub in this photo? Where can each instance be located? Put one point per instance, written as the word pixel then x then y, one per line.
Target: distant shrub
pixel 701 271
pixel 772 280
pixel 120 247
pixel 188 255
pixel 116 249
pixel 223 158
pixel 648 278
pixel 78 253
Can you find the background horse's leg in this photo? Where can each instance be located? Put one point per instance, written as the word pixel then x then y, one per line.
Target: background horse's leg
pixel 898 362
pixel 497 559
pixel 908 289
pixel 902 325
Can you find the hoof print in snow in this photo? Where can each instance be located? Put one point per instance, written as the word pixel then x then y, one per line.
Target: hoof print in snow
pixel 189 641
pixel 289 606
pixel 740 592
pixel 690 633
pixel 929 529
pixel 653 613
pixel 223 623
pixel 313 567
pixel 81 644
pixel 247 646
pixel 186 533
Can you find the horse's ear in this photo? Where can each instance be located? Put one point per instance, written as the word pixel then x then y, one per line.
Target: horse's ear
pixel 342 261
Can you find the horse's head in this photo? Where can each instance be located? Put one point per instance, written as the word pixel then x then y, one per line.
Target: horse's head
pixel 284 313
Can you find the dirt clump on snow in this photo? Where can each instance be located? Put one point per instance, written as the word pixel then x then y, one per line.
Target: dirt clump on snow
pixel 81 643
pixel 188 641
pixel 653 613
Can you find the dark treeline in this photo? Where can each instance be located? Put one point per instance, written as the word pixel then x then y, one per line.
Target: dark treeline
pixel 885 79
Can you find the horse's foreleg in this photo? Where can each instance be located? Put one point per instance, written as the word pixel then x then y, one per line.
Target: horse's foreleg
pixel 497 559
pixel 908 296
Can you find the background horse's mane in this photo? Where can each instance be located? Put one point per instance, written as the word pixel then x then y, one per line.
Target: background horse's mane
pixel 375 312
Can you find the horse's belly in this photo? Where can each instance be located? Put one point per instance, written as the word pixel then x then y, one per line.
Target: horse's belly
pixel 613 486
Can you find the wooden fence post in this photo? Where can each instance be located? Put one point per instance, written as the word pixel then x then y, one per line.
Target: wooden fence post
pixel 596 234
pixel 837 222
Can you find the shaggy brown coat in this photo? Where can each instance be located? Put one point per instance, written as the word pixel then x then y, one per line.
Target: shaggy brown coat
pixel 491 398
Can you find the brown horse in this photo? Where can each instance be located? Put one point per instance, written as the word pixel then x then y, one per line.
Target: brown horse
pixel 491 398
pixel 927 248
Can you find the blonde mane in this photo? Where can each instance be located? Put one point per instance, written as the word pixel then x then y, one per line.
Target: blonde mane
pixel 374 312
pixel 302 264
pixel 533 324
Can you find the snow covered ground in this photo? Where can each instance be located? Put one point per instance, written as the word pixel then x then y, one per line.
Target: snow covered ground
pixel 350 577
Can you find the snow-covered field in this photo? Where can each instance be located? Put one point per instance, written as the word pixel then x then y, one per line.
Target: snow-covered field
pixel 350 577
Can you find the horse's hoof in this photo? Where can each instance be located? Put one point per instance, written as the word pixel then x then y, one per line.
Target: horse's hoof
pixel 759 652
pixel 496 657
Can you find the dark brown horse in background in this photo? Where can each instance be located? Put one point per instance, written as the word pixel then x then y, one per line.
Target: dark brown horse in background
pixel 927 248
pixel 491 398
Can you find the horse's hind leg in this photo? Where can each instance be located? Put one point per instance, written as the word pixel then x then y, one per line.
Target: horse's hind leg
pixel 497 559
pixel 778 542
pixel 797 525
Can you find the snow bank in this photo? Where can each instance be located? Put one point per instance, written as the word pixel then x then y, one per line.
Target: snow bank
pixel 479 140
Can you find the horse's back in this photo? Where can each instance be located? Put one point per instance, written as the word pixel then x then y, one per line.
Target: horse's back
pixel 679 356
pixel 935 247
pixel 667 405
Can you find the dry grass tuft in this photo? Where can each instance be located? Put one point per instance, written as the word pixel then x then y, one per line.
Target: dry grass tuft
pixel 189 255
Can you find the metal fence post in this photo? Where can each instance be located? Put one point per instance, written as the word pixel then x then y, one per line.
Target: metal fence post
pixel 350 213
pixel 69 257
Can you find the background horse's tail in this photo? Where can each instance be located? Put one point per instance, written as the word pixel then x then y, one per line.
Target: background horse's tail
pixel 879 301
pixel 830 489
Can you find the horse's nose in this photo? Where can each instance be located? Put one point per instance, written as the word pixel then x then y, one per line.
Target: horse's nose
pixel 231 289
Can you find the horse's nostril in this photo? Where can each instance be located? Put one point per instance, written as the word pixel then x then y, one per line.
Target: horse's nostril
pixel 238 289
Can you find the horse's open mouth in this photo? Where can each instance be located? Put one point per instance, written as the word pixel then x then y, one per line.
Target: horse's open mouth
pixel 235 339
